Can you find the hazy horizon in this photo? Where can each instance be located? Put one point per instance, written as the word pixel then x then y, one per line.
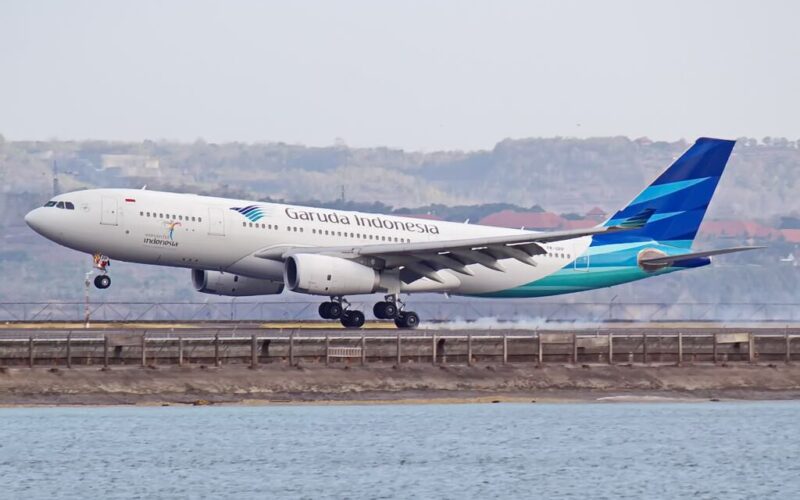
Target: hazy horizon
pixel 426 76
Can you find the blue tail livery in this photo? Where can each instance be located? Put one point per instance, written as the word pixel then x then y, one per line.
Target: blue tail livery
pixel 653 233
pixel 677 200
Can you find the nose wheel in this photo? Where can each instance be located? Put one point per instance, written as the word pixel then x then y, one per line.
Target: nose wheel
pixel 102 281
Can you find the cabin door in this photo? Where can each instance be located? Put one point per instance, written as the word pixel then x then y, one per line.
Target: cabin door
pixel 108 211
pixel 581 262
pixel 216 221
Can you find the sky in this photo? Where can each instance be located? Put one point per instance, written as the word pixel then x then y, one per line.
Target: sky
pixel 419 75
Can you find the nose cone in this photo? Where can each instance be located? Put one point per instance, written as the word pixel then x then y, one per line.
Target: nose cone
pixel 34 219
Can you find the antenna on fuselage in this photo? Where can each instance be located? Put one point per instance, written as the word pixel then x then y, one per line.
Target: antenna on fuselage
pixel 144 187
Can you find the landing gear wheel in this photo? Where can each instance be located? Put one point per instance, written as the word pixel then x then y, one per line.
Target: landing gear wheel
pixel 407 319
pixel 389 310
pixel 335 310
pixel 102 281
pixel 385 310
pixel 352 319
pixel 325 310
pixel 330 310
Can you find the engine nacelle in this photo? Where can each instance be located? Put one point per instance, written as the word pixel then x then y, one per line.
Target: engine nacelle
pixel 325 275
pixel 232 284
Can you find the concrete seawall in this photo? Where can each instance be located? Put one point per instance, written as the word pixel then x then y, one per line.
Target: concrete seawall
pixel 204 346
pixel 129 366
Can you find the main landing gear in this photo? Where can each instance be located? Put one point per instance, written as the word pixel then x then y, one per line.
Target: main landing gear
pixel 101 263
pixel 390 308
pixel 337 309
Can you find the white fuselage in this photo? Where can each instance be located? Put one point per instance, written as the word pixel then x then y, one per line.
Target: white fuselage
pixel 209 233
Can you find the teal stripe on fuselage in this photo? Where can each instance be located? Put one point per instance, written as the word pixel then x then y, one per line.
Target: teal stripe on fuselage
pixel 606 268
pixel 570 280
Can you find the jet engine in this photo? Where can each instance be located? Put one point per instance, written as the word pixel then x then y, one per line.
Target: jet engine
pixel 232 284
pixel 326 275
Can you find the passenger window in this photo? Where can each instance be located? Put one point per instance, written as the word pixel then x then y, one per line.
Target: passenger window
pixel 141 214
pixel 199 219
pixel 263 226
pixel 244 224
pixel 69 205
pixel 192 219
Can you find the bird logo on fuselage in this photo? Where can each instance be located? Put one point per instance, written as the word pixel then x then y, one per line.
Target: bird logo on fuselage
pixel 252 212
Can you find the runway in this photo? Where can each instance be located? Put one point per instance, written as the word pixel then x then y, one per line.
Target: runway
pixel 376 329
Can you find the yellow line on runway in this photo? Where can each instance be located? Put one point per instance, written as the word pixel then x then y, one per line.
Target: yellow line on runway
pixel 105 325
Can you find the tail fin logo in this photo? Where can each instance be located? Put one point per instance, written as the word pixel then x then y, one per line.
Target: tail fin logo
pixel 639 220
pixel 253 213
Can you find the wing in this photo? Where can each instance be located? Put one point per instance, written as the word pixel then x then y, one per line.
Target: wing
pixel 425 259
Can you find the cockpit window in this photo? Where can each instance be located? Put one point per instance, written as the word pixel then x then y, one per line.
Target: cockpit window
pixel 60 204
pixel 69 205
pixel 50 204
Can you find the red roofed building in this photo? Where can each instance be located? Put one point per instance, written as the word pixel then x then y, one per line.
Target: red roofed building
pixel 791 235
pixel 528 220
pixel 596 214
pixel 579 224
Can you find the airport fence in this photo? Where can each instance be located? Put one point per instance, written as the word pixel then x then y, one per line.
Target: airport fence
pixel 79 349
pixel 527 311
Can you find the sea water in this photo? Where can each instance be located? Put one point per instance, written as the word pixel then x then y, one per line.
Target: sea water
pixel 508 450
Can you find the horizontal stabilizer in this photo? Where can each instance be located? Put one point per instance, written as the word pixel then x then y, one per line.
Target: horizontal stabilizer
pixel 670 259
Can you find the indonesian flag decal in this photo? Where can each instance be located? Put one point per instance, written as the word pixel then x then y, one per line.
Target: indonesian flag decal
pixel 130 200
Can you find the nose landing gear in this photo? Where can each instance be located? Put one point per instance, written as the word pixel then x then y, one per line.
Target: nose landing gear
pixel 101 263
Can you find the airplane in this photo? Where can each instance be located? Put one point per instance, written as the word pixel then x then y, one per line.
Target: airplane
pixel 244 248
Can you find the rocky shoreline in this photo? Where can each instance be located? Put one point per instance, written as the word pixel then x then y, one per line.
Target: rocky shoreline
pixel 409 383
